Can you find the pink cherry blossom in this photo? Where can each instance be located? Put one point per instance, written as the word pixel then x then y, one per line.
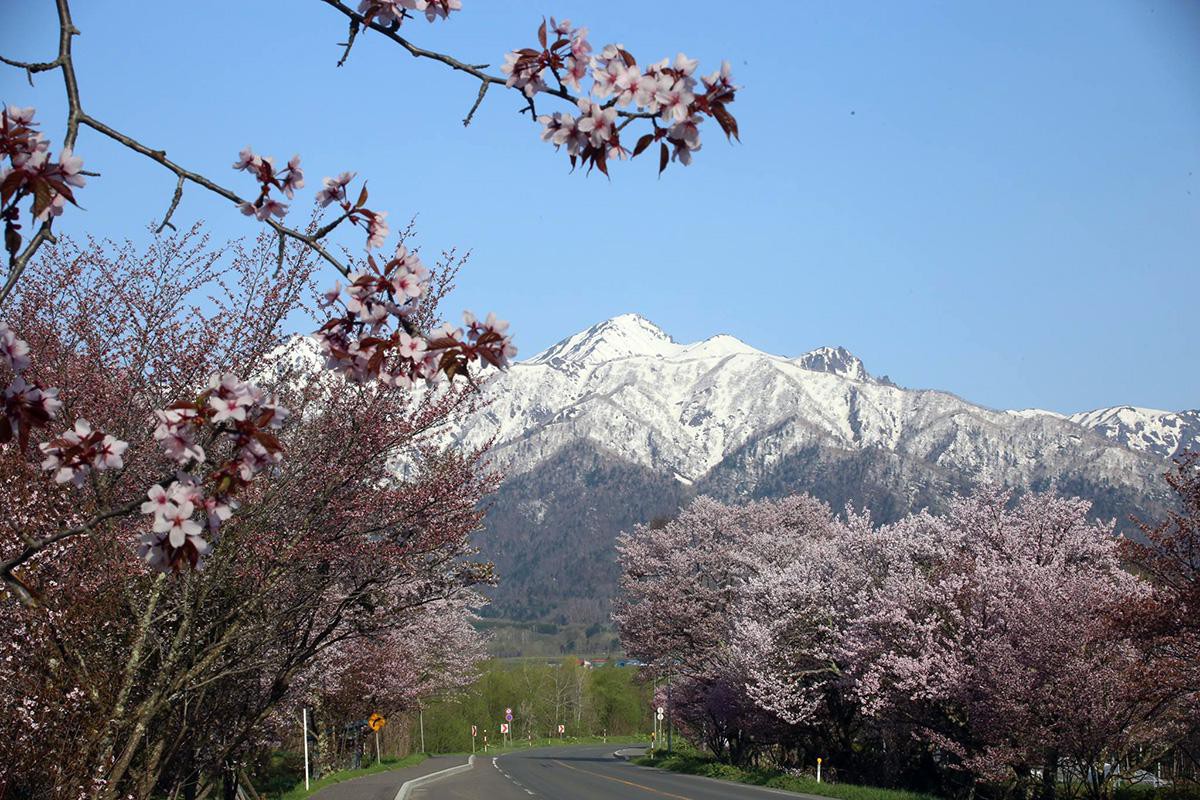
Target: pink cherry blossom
pixel 13 350
pixel 411 346
pixel 246 160
pixel 158 500
pixel 335 189
pixel 377 229
pixel 294 179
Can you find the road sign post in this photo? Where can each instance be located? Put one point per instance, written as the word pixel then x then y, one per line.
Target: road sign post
pixel 376 722
pixel 474 733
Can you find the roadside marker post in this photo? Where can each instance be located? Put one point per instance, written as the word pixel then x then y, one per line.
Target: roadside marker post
pixel 304 725
pixel 818 769
pixel 474 732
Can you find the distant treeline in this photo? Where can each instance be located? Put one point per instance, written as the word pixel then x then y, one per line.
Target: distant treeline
pixel 542 695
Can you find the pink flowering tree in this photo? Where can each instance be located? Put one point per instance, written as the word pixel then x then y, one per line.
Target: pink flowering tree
pixel 434 655
pixel 681 584
pixel 1000 653
pixel 124 680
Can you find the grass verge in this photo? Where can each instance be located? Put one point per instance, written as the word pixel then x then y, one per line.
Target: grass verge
pixel 298 792
pixel 706 767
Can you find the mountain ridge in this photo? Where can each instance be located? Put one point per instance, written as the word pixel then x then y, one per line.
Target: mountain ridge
pixel 620 422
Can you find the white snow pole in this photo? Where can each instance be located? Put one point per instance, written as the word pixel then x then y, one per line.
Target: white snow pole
pixel 304 734
pixel 818 769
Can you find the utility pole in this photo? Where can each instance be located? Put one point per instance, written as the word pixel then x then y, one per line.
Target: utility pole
pixel 670 725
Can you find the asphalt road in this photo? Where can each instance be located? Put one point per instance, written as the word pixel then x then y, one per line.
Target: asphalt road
pixel 384 785
pixel 586 772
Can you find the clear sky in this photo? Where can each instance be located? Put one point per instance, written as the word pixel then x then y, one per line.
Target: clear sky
pixel 997 199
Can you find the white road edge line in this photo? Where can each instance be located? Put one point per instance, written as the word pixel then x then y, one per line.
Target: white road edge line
pixel 407 787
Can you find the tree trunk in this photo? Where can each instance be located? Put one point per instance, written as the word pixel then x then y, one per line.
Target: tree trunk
pixel 1049 785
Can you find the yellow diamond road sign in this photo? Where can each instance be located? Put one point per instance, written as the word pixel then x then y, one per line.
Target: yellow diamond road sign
pixel 377 721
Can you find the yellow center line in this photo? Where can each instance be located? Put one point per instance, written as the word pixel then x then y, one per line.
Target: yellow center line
pixel 619 780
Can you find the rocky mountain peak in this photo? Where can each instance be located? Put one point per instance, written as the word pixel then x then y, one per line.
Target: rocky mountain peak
pixel 835 360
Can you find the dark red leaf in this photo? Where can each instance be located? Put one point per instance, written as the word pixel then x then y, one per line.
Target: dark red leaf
pixel 12 239
pixel 726 121
pixel 41 195
pixel 642 144
pixel 62 189
pixel 11 184
pixel 664 155
pixel 542 34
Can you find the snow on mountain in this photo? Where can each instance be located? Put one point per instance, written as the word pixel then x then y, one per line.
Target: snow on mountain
pixel 619 337
pixel 1163 433
pixel 626 386
pixel 620 425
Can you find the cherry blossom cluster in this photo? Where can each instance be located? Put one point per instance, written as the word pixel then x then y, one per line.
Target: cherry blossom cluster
pixel 567 57
pixel 372 338
pixel 375 222
pixel 666 92
pixel 228 407
pixel 394 12
pixel 27 404
pixel 30 171
pixel 286 180
pixel 76 452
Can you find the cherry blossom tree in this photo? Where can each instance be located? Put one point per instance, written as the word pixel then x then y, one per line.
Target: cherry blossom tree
pixel 1001 653
pixel 127 680
pixel 1166 623
pixel 680 587
pixel 1002 646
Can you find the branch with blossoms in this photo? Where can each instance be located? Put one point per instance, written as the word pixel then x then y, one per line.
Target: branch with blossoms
pixel 663 93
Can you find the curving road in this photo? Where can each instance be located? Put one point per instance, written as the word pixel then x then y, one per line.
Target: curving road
pixel 586 772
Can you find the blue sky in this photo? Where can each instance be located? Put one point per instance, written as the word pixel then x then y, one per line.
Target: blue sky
pixel 997 199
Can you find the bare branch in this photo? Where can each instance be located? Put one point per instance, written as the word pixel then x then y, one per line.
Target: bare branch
pixel 483 87
pixel 6 568
pixel 166 223
pixel 18 264
pixel 354 24
pixel 160 157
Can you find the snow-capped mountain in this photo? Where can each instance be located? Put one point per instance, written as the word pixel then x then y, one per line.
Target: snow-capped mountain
pixel 682 409
pixel 619 424
pixel 1163 433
